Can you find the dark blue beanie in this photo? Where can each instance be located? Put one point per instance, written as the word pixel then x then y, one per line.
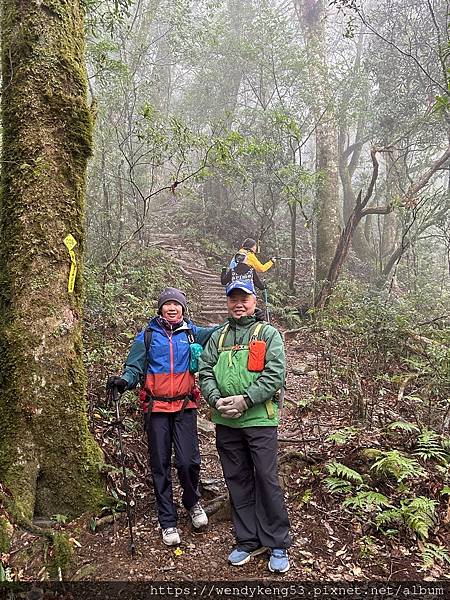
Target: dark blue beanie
pixel 172 294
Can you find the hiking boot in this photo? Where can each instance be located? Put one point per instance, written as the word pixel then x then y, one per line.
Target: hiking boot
pixel 170 536
pixel 279 561
pixel 198 516
pixel 239 556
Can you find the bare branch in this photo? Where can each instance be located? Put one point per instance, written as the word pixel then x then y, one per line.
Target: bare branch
pixel 410 196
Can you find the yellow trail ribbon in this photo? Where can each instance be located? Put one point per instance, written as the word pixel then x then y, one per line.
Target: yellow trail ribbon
pixel 70 242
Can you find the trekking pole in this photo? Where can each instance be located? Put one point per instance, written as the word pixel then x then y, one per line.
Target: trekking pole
pixel 129 501
pixel 266 302
pixel 283 258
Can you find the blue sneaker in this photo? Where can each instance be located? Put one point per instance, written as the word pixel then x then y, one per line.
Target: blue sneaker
pixel 239 557
pixel 279 561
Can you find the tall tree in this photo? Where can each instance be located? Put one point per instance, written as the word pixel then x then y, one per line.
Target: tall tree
pixel 48 460
pixel 312 14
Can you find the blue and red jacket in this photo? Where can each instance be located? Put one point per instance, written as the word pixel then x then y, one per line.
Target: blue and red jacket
pixel 168 380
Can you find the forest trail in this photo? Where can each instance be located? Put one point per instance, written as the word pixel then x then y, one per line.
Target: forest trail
pixel 214 307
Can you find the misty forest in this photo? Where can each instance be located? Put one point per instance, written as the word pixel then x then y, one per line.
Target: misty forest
pixel 142 142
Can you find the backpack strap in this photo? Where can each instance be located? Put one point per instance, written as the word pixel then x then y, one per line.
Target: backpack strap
pixel 269 403
pixel 222 337
pixel 253 337
pixel 256 331
pixel 148 333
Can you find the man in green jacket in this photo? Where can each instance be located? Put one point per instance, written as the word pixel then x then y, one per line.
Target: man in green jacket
pixel 240 371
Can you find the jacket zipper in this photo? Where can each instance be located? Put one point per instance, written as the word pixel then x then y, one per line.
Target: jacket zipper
pixel 171 365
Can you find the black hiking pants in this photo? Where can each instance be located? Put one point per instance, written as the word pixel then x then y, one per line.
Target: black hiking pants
pixel 179 431
pixel 249 462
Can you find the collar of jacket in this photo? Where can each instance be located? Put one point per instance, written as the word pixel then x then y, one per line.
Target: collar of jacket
pixel 161 324
pixel 242 322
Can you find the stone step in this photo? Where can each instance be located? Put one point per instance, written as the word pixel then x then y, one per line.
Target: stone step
pixel 202 271
pixel 224 313
pixel 217 294
pixel 164 234
pixel 205 277
pixel 216 307
pixel 212 281
pixel 216 290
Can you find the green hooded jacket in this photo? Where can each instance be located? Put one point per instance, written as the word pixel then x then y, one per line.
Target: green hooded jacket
pixel 224 373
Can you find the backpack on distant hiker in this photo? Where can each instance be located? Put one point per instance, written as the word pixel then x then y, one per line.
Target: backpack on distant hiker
pixel 238 270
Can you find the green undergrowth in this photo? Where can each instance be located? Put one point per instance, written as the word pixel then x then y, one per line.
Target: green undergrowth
pixel 395 483
pixel 215 251
pixel 383 367
pixel 378 350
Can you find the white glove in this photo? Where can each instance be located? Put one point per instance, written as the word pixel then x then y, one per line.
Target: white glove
pixel 238 403
pixel 231 406
pixel 227 409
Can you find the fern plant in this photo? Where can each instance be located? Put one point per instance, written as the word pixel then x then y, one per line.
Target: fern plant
pixel 393 463
pixel 344 472
pixel 429 447
pixel 337 486
pixel 432 553
pixel 367 501
pixel 418 515
pixel 341 436
pixel 403 426
pixel 341 478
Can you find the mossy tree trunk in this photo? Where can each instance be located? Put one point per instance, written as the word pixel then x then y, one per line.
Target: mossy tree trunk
pixel 312 14
pixel 48 460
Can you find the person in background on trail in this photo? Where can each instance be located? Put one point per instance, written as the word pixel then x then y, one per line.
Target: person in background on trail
pixel 159 359
pixel 244 272
pixel 247 254
pixel 240 372
pixel 245 266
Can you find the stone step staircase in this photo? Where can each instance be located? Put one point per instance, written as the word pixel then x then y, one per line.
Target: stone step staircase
pixel 213 308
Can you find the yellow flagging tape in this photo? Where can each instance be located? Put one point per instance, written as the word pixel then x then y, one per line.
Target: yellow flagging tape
pixel 70 242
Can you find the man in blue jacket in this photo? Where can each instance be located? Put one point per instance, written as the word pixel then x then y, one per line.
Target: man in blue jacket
pixel 169 397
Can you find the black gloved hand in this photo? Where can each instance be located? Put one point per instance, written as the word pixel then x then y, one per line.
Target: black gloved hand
pixel 259 314
pixel 116 382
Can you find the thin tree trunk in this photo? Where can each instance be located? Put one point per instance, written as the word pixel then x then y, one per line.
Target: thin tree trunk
pixel 293 213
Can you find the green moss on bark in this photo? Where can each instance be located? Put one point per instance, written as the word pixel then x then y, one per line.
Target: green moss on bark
pixel 61 556
pixel 6 532
pixel 47 457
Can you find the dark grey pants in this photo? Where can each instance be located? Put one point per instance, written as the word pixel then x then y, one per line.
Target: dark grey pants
pixel 179 431
pixel 249 463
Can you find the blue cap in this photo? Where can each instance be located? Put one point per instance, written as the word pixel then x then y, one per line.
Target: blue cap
pixel 244 285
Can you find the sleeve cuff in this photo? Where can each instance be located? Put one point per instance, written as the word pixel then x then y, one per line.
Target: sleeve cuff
pixel 248 400
pixel 212 401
